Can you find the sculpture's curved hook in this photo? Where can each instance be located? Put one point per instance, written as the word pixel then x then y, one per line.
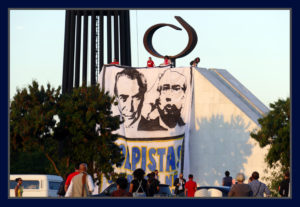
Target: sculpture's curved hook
pixel 190 46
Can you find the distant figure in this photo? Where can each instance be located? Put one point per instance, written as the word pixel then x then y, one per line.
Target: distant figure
pixel 122 184
pixel 190 187
pixel 138 186
pixel 70 177
pixel 195 62
pixel 240 189
pixel 82 184
pixel 258 188
pixel 115 62
pixel 19 188
pixel 150 63
pixel 167 61
pixel 179 184
pixel 227 180
pixel 284 185
pixel 152 184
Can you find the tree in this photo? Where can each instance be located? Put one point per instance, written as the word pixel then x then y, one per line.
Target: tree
pixel 85 130
pixel 275 132
pixel 66 128
pixel 31 120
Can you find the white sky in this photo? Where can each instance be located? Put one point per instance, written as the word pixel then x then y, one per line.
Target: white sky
pixel 253 45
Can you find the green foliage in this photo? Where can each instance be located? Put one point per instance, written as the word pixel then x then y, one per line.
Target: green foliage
pixel 67 129
pixel 275 133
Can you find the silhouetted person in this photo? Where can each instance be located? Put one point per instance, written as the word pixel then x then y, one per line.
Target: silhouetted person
pixel 227 180
pixel 122 184
pixel 284 185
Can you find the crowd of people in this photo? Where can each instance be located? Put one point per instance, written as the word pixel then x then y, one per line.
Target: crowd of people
pixel 80 184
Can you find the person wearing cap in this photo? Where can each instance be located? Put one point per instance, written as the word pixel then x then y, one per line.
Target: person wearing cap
pixel 240 189
pixel 19 188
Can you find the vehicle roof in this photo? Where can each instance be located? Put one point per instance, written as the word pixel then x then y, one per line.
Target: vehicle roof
pixel 36 176
pixel 216 187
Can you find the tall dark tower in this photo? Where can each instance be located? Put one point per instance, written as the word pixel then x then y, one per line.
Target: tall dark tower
pixel 76 46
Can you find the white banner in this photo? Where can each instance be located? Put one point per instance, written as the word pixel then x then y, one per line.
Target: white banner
pixel 155 107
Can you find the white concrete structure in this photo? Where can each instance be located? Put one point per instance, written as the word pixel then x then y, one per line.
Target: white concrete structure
pixel 223 116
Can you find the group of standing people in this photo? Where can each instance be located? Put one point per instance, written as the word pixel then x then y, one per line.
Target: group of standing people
pixel 139 186
pixel 254 188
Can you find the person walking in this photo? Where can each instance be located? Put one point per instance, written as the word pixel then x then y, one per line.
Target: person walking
pixel 122 184
pixel 227 180
pixel 240 189
pixel 190 187
pixel 138 186
pixel 179 184
pixel 81 184
pixel 283 188
pixel 70 176
pixel 19 188
pixel 152 184
pixel 258 188
pixel 150 63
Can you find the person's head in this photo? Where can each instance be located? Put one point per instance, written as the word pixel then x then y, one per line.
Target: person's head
pixel 287 175
pixel 122 183
pixel 19 181
pixel 150 58
pixel 191 177
pixel 180 175
pixel 130 88
pixel 227 173
pixel 255 175
pixel 151 175
pixel 197 59
pixel 171 88
pixel 139 174
pixel 240 177
pixel 250 179
pixel 83 167
pixel 115 60
pixel 156 172
pixel 167 57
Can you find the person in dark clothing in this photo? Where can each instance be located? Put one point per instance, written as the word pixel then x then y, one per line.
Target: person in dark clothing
pixel 227 180
pixel 284 185
pixel 122 184
pixel 195 62
pixel 61 191
pixel 138 184
pixel 179 184
pixel 152 184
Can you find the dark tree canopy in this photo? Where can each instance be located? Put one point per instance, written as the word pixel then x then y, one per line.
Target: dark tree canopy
pixel 65 128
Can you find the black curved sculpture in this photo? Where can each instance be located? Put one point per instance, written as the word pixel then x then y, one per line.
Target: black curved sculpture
pixel 190 46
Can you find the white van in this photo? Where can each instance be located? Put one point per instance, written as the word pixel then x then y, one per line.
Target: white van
pixel 36 185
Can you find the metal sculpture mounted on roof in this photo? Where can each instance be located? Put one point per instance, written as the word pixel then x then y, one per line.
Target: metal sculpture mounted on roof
pixel 190 46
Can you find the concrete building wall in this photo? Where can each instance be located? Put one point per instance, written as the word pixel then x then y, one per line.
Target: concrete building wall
pixel 220 133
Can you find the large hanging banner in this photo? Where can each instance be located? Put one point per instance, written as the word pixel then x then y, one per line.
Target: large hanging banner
pixel 155 106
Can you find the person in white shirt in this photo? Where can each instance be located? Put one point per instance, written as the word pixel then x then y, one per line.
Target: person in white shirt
pixel 81 184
